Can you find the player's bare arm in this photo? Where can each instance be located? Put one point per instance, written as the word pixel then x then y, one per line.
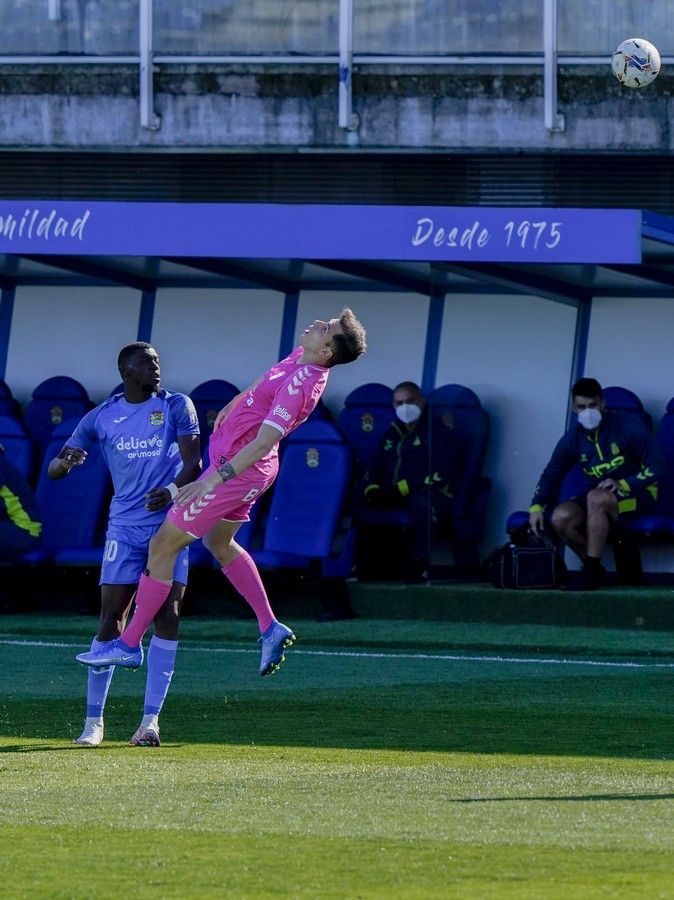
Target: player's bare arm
pixel 261 444
pixel 68 458
pixel 190 453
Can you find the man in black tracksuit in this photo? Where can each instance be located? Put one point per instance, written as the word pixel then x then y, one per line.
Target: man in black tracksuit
pixel 413 473
pixel 621 463
pixel 20 524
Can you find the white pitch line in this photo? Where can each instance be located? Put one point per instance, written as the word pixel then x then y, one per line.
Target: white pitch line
pixel 365 654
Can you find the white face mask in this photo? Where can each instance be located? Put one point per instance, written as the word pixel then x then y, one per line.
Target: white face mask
pixel 408 412
pixel 589 418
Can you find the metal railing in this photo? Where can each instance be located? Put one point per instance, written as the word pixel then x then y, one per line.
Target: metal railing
pixel 344 59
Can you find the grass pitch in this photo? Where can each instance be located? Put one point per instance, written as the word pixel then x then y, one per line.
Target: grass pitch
pixel 385 759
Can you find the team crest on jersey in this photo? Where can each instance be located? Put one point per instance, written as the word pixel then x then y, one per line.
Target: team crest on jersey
pixel 56 415
pixel 367 422
pixel 313 458
pixel 157 418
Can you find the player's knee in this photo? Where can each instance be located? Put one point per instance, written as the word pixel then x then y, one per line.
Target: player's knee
pixel 563 518
pixel 559 518
pixel 600 501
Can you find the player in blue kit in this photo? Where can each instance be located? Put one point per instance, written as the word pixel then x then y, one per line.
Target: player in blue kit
pixel 149 439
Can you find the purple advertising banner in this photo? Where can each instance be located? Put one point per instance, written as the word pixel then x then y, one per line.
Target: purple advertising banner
pixel 282 231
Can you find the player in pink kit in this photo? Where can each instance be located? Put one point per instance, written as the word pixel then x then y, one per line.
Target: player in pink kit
pixel 243 450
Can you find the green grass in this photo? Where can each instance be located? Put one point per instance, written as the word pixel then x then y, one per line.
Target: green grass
pixel 386 759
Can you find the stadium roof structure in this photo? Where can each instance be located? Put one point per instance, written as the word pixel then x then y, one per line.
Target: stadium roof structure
pixel 568 255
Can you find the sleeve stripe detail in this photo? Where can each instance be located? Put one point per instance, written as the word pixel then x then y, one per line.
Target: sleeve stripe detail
pixel 275 425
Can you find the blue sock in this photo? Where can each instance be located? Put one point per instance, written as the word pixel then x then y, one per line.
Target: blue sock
pixel 161 658
pixel 98 683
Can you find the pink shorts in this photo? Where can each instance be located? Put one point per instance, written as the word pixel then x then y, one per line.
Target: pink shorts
pixel 229 502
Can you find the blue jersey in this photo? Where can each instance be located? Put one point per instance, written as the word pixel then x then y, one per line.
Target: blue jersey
pixel 139 443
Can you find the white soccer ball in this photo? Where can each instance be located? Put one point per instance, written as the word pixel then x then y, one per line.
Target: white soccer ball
pixel 636 63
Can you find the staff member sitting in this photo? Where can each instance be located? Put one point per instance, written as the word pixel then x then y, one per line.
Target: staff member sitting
pixel 412 471
pixel 621 462
pixel 20 524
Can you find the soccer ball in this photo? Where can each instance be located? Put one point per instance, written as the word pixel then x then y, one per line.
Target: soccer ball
pixel 635 63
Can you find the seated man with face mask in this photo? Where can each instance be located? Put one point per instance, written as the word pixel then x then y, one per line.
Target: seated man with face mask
pixel 413 471
pixel 621 463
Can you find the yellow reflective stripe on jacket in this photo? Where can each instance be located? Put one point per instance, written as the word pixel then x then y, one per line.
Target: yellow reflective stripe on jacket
pixel 18 514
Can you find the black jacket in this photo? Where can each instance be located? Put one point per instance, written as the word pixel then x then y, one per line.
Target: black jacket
pixel 409 461
pixel 17 501
pixel 621 448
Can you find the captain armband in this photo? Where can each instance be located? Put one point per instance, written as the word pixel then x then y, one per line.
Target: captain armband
pixel 536 508
pixel 226 471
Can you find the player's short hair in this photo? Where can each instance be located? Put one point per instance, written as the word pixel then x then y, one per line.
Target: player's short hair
pixel 351 343
pixel 127 353
pixel 409 386
pixel 587 387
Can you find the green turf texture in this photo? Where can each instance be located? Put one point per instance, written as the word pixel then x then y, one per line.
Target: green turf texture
pixel 369 766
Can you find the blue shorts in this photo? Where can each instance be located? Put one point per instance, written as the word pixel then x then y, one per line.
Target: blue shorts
pixel 125 555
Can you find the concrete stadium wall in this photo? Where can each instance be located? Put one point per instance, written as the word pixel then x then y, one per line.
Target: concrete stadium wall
pixel 246 106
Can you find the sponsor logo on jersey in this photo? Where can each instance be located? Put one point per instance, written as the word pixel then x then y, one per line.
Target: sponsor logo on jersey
pixel 157 418
pixel 121 419
pixel 136 448
pixel 282 413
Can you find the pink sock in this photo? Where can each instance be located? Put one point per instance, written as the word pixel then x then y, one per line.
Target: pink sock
pixel 246 579
pixel 150 596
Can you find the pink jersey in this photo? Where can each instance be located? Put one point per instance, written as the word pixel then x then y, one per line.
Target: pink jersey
pixel 283 398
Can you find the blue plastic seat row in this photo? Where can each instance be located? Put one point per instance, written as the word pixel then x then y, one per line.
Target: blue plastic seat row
pixel 302 524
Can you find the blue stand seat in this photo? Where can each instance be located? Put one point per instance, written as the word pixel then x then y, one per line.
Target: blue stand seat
pixel 18 445
pixel 53 402
pixel 73 508
pixel 303 525
pixel 209 397
pixel 367 413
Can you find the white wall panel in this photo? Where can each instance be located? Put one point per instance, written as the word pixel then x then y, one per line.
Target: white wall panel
pixel 515 353
pixel 631 346
pixel 210 333
pixel 396 337
pixel 76 331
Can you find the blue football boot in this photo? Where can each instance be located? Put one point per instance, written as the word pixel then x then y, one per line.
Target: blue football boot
pixel 117 654
pixel 274 641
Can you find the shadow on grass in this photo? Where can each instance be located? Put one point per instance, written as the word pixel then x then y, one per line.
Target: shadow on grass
pixel 441 718
pixel 583 798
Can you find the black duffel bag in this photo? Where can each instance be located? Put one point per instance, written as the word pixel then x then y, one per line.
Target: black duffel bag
pixel 527 560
